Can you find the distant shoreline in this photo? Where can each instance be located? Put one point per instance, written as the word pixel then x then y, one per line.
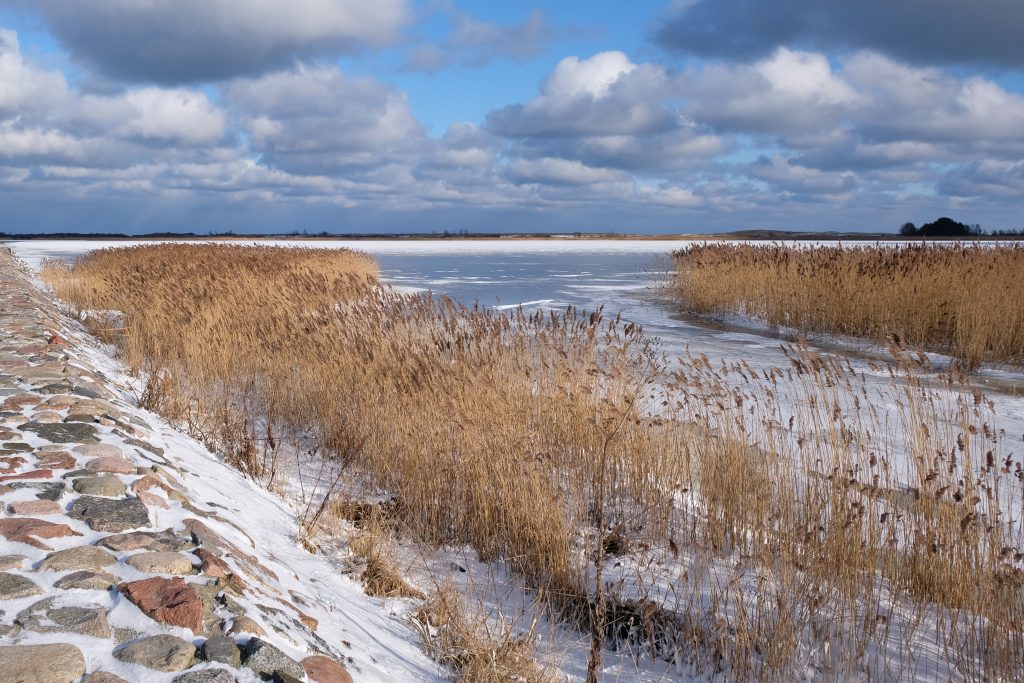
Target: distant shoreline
pixel 770 235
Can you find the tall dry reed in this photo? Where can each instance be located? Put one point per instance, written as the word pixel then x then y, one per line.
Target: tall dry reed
pixel 951 298
pixel 484 425
pixel 770 524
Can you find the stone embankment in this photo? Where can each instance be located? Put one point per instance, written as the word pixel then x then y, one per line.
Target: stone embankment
pixel 111 569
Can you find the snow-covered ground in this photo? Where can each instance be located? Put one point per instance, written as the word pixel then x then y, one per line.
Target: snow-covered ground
pixel 621 276
pixel 372 636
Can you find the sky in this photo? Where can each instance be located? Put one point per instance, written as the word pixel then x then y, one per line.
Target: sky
pixel 406 116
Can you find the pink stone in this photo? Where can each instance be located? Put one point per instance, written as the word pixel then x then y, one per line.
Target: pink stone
pixel 169 601
pixel 56 460
pixel 145 482
pixel 132 540
pixel 29 530
pixel 60 402
pixel 10 463
pixel 322 669
pixel 212 565
pixel 34 474
pixel 115 464
pixel 99 450
pixel 19 401
pixel 150 498
pixel 35 507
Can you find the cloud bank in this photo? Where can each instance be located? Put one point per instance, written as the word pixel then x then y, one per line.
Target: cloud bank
pixel 936 32
pixel 189 41
pixel 224 114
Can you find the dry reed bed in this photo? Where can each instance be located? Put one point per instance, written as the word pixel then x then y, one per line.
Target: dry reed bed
pixel 563 445
pixel 954 299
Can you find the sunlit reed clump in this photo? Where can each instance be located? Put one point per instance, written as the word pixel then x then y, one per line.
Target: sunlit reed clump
pixel 949 298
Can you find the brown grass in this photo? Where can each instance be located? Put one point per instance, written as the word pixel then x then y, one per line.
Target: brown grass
pixel 950 298
pixel 380 577
pixel 481 424
pixel 771 527
pixel 476 649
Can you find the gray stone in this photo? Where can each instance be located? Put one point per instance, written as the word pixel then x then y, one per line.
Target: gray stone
pixel 139 443
pixel 113 465
pixel 103 677
pixel 55 388
pixel 123 635
pixel 266 660
pixel 79 557
pixel 209 595
pixel 85 621
pixel 161 563
pixel 11 561
pixel 109 514
pixel 206 676
pixel 96 407
pixel 86 392
pixel 108 486
pixel 16 446
pixel 164 541
pixel 163 653
pixel 221 649
pixel 88 580
pixel 235 608
pixel 49 490
pixel 80 417
pixel 139 422
pixel 58 663
pixel 99 450
pixel 63 432
pixel 13 586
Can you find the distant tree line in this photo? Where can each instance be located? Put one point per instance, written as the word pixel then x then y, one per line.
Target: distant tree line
pixel 947 227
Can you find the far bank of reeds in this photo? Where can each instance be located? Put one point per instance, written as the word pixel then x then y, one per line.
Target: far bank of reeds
pixel 958 299
pixel 767 538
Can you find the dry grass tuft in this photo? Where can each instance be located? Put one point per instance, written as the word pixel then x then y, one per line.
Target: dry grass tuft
pixel 476 650
pixel 380 577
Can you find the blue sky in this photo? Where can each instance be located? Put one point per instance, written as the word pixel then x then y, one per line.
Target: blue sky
pixel 398 115
pixel 467 93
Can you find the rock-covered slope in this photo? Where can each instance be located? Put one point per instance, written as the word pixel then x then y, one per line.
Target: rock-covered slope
pixel 128 552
